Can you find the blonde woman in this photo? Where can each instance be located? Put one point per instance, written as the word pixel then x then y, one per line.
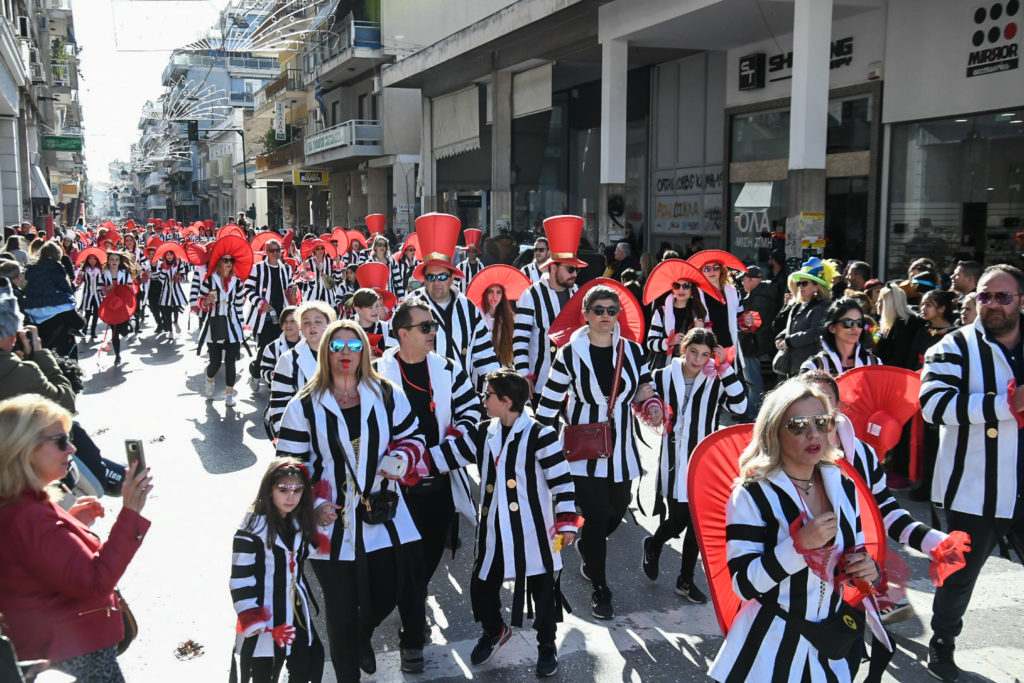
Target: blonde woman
pixel 899 326
pixel 57 582
pixel 792 527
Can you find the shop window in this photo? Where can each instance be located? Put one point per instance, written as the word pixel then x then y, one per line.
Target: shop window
pixel 956 189
pixel 764 135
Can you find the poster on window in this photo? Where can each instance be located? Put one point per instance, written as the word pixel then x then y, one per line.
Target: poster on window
pixel 688 201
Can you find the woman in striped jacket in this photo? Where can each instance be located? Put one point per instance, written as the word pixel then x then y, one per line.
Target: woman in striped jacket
pixel 268 583
pixel 120 270
pixel 90 279
pixel 679 312
pixel 695 385
pixel 221 300
pixel 846 341
pixel 171 273
pixel 583 372
pixel 792 524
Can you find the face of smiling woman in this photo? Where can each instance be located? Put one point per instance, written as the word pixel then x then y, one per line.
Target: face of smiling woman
pixel 801 453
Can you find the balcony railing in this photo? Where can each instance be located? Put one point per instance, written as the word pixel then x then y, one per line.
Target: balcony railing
pixel 327 46
pixel 354 132
pixel 61 75
pixel 180 63
pixel 155 201
pixel 292 153
pixel 155 178
pixel 241 98
pixel 182 198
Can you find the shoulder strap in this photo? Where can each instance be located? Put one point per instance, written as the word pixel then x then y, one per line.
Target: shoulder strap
pixel 618 376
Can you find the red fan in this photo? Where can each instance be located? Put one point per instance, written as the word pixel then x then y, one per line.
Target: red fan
pixel 879 399
pixel 259 243
pixel 676 270
pixel 309 245
pixel 512 279
pixel 356 236
pixel 118 305
pixel 411 242
pixel 190 231
pixel 231 229
pixel 236 247
pixel 196 254
pixel 326 237
pixel 339 237
pixel 172 247
pixel 376 276
pixel 154 242
pixel 288 240
pixel 703 258
pixel 100 254
pixel 631 317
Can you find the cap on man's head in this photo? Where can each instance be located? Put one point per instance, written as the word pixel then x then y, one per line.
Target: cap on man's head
pixel 754 271
pixel 10 314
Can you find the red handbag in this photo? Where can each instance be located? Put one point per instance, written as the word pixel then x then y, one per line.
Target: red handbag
pixel 593 441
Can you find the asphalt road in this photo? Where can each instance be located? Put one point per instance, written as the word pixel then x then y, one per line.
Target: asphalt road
pixel 207 460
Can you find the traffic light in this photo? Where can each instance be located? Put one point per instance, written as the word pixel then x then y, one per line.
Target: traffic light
pixel 193 131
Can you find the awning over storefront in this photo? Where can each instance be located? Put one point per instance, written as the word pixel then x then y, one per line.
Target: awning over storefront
pixel 456 122
pixel 40 186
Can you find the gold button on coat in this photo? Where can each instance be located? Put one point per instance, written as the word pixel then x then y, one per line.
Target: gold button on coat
pixel 511 483
pixel 554 349
pixel 483 511
pixel 513 507
pixel 992 432
pixel 490 488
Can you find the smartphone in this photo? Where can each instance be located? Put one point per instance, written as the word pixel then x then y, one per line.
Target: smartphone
pixel 133 449
pixel 392 465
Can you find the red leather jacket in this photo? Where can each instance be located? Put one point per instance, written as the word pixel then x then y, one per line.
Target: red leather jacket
pixel 57 579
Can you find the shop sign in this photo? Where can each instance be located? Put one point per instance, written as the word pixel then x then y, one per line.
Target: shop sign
pixel 470 201
pixel 752 71
pixel 280 127
pixel 307 177
pixel 689 181
pixel 780 66
pixel 61 143
pixel 994 43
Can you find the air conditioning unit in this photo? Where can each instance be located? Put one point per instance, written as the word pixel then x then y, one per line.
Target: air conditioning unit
pixel 378 86
pixel 23 28
pixel 40 5
pixel 37 73
pixel 33 55
pixel 44 23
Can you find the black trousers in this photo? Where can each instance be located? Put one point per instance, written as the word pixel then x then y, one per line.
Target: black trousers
pixel 602 502
pixel 677 522
pixel 954 595
pixel 226 353
pixel 58 333
pixel 432 511
pixel 347 636
pixel 267 335
pixel 305 663
pixel 485 595
pixel 166 316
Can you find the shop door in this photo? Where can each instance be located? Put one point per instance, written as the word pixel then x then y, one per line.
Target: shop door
pixel 846 218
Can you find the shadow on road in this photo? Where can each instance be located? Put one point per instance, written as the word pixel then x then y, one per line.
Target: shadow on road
pixel 221 449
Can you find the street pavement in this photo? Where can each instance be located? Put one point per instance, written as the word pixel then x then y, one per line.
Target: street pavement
pixel 207 460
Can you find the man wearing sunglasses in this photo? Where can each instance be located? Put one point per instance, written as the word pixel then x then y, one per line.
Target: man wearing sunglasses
pixel 969 390
pixel 542 301
pixel 448 410
pixel 462 334
pixel 533 269
pixel 267 291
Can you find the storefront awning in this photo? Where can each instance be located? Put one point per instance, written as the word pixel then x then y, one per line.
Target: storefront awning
pixel 40 186
pixel 456 122
pixel 754 196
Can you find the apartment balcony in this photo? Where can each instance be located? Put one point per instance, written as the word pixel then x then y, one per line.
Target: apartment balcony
pixel 184 166
pixel 155 178
pixel 201 187
pixel 185 199
pixel 346 55
pixel 356 138
pixel 253 67
pixel 126 203
pixel 156 201
pixel 62 75
pixel 287 86
pixel 179 64
pixel 286 155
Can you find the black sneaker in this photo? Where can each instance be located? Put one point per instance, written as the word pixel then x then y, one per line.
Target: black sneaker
pixel 583 563
pixel 547 661
pixel 650 559
pixel 601 603
pixel 940 659
pixel 412 660
pixel 689 590
pixel 368 660
pixel 487 646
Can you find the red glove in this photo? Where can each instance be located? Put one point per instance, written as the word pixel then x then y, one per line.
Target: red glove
pixel 284 634
pixel 948 556
pixel 749 321
pixel 1011 389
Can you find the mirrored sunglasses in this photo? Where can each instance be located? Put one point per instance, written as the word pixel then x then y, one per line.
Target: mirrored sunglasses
pixel 798 426
pixel 437 277
pixel 713 268
pixel 353 345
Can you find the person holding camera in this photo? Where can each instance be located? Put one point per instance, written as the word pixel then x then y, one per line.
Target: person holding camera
pixel 358 436
pixel 57 580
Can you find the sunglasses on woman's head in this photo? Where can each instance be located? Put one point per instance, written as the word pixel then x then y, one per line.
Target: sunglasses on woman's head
pixel 824 424
pixel 425 328
pixel 1001 298
pixel 847 323
pixel 681 285
pixel 62 440
pixel 602 310
pixel 437 277
pixel 354 345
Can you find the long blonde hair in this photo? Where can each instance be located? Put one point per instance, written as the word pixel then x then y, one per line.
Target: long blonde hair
pixel 892 305
pixel 323 380
pixel 22 421
pixel 764 454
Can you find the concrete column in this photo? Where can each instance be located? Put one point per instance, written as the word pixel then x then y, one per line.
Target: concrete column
pixel 501 151
pixel 10 178
pixel 428 164
pixel 808 120
pixel 359 205
pixel 614 71
pixel 338 199
pixel 377 200
pixel 404 201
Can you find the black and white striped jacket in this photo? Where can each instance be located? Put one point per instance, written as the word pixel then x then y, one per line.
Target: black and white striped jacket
pixel 462 335
pixel 695 416
pixel 261 587
pixel 572 376
pixel 734 308
pixel 318 289
pixel 198 273
pixel 456 405
pixel 314 430
pixel 123 278
pixel 400 275
pixel 964 390
pixel 663 327
pixel 271 352
pixel 89 298
pixel 899 523
pixel 230 303
pixel 525 484
pixel 532 271
pixel 765 566
pixel 171 293
pixel 258 287
pixel 470 270
pixel 828 360
pixel 294 369
pixel 383 328
pixel 533 351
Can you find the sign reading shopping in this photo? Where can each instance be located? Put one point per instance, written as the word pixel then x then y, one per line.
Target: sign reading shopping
pixel 779 67
pixel 994 39
pixel 61 143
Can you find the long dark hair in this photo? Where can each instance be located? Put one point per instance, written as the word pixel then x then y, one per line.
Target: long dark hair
pixel 944 299
pixel 263 505
pixel 839 308
pixel 504 328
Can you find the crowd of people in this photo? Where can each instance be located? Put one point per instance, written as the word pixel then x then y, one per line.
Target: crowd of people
pixel 394 370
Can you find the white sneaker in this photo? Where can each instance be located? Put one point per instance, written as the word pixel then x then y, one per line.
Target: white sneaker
pixel 254 383
pixel 208 389
pixel 229 398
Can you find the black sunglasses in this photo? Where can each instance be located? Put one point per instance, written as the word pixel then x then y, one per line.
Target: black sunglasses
pixel 682 285
pixel 1001 298
pixel 62 440
pixel 227 259
pixel 438 277
pixel 569 269
pixel 602 310
pixel 847 323
pixel 425 328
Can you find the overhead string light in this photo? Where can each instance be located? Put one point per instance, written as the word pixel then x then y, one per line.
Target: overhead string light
pixel 185 100
pixel 267 26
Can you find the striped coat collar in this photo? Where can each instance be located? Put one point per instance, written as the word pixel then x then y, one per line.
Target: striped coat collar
pixel 304 358
pixel 831 476
pixel 356 461
pixel 494 444
pixel 679 388
pixel 441 382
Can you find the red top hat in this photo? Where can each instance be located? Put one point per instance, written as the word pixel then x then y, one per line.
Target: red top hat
pixel 375 223
pixel 151 221
pixel 411 242
pixel 563 234
pixel 129 224
pixel 438 233
pixel 154 242
pixel 208 223
pixel 375 276
pixel 473 237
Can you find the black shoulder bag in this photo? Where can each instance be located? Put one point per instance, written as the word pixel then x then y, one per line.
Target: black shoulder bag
pixel 377 507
